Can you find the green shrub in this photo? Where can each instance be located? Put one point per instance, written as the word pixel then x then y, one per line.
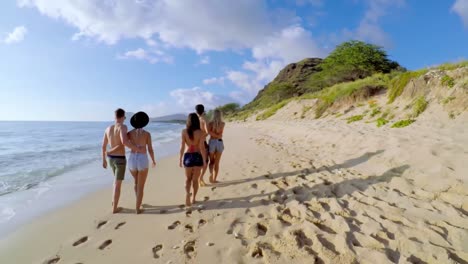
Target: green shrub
pixel 399 82
pixel 381 122
pixel 272 110
pixel 447 81
pixel 355 118
pixel 420 104
pixel 403 123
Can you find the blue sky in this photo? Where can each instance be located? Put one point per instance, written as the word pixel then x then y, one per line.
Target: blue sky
pixel 79 60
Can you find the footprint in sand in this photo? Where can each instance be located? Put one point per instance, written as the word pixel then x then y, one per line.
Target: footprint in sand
pixel 206 198
pixel 101 224
pixel 105 244
pixel 174 225
pixel 261 229
pixel 156 249
pixel 189 248
pixel 213 188
pixel 189 227
pixel 188 213
pixel 53 260
pixel 255 186
pixel 201 223
pixel 80 241
pixel 119 225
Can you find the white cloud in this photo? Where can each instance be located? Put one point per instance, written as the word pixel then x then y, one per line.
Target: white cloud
pixel 187 99
pixel 214 80
pixel 369 28
pixel 176 22
pixel 204 60
pixel 291 44
pixel 273 36
pixel 461 8
pixel 152 56
pixel 17 35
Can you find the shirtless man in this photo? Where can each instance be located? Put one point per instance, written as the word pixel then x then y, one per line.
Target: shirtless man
pixel 200 109
pixel 116 136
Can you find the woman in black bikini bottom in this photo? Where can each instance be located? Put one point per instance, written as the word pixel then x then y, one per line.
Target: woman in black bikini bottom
pixel 195 158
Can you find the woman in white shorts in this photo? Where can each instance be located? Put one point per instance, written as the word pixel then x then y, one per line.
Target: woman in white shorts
pixel 138 162
pixel 216 144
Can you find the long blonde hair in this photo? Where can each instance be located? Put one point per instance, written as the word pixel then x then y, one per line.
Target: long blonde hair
pixel 217 120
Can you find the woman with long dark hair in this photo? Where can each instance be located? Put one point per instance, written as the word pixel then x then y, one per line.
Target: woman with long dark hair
pixel 195 158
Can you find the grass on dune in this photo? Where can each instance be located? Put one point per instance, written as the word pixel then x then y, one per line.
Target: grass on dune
pixel 353 91
pixel 403 123
pixel 420 104
pixel 272 110
pixel 355 118
pixel 399 82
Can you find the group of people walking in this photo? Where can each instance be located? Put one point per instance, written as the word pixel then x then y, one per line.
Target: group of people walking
pixel 196 155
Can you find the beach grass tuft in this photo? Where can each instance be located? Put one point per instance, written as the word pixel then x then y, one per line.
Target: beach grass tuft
pixel 403 123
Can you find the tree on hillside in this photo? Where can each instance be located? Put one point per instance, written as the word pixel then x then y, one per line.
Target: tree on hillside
pixel 356 60
pixel 229 108
pixel 351 61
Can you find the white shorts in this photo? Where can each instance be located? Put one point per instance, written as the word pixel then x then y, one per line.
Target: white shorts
pixel 138 161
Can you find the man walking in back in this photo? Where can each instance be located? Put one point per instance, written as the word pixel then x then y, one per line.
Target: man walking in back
pixel 116 136
pixel 200 109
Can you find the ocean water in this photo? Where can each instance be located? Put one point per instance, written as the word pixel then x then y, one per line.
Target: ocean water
pixel 45 165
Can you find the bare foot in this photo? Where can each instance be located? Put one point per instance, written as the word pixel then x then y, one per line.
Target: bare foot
pixel 139 211
pixel 202 183
pixel 187 200
pixel 116 210
pixel 211 179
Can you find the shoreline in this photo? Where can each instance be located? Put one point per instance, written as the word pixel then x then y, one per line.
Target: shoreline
pixel 297 191
pixel 61 191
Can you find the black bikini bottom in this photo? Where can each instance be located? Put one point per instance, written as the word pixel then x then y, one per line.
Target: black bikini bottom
pixel 193 159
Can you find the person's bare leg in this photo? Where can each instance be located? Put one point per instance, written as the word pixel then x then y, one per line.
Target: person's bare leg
pixel 116 197
pixel 135 178
pixel 188 184
pixel 142 175
pixel 196 176
pixel 212 164
pixel 203 171
pixel 216 166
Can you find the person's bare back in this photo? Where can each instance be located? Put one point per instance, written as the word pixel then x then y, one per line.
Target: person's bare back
pixel 113 135
pixel 140 138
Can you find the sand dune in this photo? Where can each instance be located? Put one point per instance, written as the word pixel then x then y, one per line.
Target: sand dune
pixel 297 192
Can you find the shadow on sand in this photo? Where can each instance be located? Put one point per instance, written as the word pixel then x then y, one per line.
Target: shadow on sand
pixel 300 193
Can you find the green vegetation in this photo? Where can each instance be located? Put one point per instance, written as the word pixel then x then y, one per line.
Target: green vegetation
pixel 453 66
pixel 375 111
pixel 386 113
pixel 272 110
pixel 353 91
pixel 447 81
pixel 448 100
pixel 452 115
pixel 351 61
pixel 229 109
pixel 305 109
pixel 355 118
pixel 403 123
pixel 399 82
pixel 381 122
pixel 420 104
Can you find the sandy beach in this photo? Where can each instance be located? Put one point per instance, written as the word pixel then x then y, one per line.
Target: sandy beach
pixel 299 192
pixel 306 192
